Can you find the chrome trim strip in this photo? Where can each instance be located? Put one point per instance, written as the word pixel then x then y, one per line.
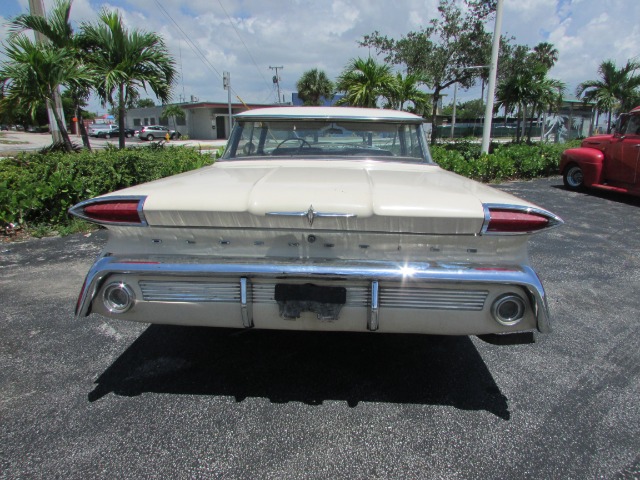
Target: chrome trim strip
pixel 373 322
pixel 246 309
pixel 554 220
pixel 78 209
pixel 311 214
pixel 518 275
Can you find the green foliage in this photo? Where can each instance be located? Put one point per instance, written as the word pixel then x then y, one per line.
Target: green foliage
pixel 506 162
pixel 313 85
pixel 39 189
pixel 442 52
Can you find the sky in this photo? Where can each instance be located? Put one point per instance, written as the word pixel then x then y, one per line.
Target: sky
pixel 246 37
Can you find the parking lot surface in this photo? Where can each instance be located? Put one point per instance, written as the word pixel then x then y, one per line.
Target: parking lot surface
pixel 97 398
pixel 13 142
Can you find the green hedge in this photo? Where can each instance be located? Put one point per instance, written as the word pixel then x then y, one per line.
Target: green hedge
pixel 39 189
pixel 505 162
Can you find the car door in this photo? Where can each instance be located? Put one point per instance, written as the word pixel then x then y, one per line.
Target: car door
pixel 625 153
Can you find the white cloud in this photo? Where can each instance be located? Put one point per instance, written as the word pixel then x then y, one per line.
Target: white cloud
pixel 304 34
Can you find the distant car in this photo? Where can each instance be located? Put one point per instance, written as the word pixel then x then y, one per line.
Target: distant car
pixel 128 132
pixel 322 219
pixel 606 162
pixel 97 128
pixel 159 132
pixel 4 127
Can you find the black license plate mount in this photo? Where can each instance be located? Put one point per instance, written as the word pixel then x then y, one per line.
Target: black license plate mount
pixel 325 301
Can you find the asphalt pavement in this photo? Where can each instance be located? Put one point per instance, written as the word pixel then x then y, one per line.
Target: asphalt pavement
pixel 98 398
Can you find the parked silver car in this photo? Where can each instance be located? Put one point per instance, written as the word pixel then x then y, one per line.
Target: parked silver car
pixel 152 132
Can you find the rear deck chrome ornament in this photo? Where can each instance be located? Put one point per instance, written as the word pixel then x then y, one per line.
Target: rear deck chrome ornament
pixel 311 214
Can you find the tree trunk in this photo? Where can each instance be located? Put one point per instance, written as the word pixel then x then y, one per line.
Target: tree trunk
pixel 609 122
pixel 434 113
pixel 121 114
pixel 63 131
pixel 81 127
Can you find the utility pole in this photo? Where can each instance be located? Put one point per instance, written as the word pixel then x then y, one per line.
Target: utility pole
pixel 276 79
pixel 37 9
pixel 493 73
pixel 226 83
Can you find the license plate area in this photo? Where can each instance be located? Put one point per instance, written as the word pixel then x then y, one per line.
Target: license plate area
pixel 326 302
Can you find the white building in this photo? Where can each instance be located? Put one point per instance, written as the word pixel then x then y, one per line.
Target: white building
pixel 202 120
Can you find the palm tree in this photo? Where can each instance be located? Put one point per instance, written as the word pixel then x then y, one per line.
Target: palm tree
pixel 401 90
pixel 313 85
pixel 363 81
pixel 615 89
pixel 545 54
pixel 34 72
pixel 126 61
pixel 57 29
pixel 526 86
pixel 173 111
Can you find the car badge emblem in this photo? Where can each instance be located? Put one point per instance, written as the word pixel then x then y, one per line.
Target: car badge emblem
pixel 311 215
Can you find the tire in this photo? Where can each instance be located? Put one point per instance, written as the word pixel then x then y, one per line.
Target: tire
pixel 573 177
pixel 107 136
pixel 150 137
pixel 128 135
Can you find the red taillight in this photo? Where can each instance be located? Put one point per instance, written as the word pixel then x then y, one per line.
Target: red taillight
pixel 508 221
pixel 499 219
pixel 120 211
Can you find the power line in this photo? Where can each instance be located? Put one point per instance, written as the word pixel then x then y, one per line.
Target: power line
pixel 193 46
pixel 242 41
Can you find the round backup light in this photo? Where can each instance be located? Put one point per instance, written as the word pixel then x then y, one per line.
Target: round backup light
pixel 118 297
pixel 508 309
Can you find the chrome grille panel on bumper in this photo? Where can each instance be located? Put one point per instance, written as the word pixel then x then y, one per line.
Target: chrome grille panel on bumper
pixel 357 295
pixel 373 285
pixel 160 291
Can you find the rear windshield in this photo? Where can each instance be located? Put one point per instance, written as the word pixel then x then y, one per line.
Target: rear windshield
pixel 394 141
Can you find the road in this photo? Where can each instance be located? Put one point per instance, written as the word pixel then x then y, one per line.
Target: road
pixel 13 142
pixel 97 398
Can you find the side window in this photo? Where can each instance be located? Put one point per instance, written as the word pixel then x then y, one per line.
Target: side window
pixel 633 125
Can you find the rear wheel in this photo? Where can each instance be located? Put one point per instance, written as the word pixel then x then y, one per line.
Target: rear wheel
pixel 573 177
pixel 107 136
pixel 149 137
pixel 128 135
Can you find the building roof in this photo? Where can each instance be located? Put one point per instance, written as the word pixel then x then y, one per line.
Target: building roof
pixel 236 106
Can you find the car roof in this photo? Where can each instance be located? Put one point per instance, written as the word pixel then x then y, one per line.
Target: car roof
pixel 328 113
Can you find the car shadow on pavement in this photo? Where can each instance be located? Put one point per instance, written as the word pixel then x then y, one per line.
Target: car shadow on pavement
pixel 308 367
pixel 605 195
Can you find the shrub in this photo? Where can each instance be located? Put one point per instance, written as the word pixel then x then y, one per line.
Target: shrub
pixel 507 161
pixel 40 188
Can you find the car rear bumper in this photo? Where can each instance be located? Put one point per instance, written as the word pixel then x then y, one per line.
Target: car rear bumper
pixel 432 298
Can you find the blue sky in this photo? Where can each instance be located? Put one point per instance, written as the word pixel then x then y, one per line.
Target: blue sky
pixel 245 37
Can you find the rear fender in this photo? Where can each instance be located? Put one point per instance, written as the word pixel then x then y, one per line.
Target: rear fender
pixel 590 160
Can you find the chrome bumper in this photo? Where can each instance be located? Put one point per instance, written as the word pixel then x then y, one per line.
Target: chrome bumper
pixel 373 272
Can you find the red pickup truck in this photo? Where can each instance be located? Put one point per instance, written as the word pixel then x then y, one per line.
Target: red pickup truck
pixel 607 162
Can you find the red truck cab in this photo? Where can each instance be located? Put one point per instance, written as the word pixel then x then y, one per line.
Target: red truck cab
pixel 607 162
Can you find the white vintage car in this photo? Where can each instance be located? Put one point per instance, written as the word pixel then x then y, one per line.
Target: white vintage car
pixel 320 219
